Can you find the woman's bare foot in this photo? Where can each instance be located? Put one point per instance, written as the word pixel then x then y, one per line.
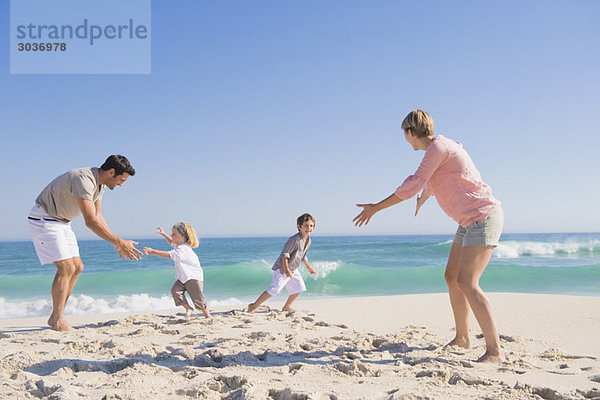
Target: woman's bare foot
pixel 460 342
pixel 188 313
pixel 489 358
pixel 59 325
pixel 206 313
pixel 252 307
pixel 288 308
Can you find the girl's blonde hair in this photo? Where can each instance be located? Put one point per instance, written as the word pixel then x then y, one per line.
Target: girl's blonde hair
pixel 189 234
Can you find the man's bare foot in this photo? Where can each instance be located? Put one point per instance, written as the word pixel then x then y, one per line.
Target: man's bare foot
pixel 460 342
pixel 489 358
pixel 188 313
pixel 251 308
pixel 59 325
pixel 288 308
pixel 206 313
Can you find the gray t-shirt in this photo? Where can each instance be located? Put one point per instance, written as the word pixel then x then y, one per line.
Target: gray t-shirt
pixel 295 250
pixel 59 198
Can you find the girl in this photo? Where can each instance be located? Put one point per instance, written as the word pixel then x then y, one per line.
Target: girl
pixel 448 173
pixel 188 272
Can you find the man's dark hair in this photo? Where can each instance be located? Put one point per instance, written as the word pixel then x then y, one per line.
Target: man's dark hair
pixel 119 163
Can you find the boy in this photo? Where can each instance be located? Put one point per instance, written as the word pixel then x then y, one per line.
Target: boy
pixel 285 269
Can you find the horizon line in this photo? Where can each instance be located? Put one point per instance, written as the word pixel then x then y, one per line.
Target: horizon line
pixel 318 235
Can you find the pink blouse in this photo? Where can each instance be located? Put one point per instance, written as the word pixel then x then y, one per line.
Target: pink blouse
pixel 448 173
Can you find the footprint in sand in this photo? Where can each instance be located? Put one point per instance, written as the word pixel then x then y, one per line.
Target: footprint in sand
pixel 469 380
pixel 594 378
pixel 355 369
pixel 591 394
pixel 224 384
pixel 294 368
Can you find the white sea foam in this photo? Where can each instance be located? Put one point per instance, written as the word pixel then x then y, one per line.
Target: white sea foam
pixel 23 309
pixel 230 302
pixel 83 304
pixel 324 268
pixel 515 249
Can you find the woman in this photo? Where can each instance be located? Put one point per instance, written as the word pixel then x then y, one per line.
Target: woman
pixel 448 173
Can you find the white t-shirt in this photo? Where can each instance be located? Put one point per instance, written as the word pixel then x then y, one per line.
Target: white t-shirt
pixel 187 265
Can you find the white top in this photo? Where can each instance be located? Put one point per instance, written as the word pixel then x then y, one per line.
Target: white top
pixel 187 265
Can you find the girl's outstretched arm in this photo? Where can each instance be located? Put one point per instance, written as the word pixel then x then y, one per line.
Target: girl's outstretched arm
pixel 160 231
pixel 371 209
pixel 149 250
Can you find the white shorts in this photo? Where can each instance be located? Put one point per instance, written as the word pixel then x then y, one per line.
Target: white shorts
pixel 53 241
pixel 293 285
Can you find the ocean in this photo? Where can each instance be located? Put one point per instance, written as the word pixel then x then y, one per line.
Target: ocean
pixel 237 270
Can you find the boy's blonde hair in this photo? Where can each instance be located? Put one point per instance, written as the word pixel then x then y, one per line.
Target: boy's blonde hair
pixel 419 122
pixel 305 217
pixel 188 233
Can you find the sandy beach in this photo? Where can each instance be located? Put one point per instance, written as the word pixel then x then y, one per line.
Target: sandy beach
pixel 343 348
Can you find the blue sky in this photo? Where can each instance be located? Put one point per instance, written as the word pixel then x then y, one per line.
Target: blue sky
pixel 258 111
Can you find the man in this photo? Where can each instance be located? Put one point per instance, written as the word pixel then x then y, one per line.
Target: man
pixel 78 191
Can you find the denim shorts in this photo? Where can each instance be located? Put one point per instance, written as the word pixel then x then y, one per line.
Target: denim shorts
pixel 481 233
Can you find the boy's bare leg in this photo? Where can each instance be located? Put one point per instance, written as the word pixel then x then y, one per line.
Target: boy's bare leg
pixel 188 310
pixel 458 301
pixel 261 299
pixel 473 262
pixel 288 304
pixel 67 272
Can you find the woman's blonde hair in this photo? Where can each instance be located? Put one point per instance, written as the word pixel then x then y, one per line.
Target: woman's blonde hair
pixel 188 233
pixel 419 122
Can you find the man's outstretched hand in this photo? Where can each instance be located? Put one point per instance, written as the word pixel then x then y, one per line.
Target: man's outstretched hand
pixel 126 249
